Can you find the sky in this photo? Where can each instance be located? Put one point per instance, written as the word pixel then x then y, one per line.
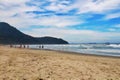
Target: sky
pixel 77 21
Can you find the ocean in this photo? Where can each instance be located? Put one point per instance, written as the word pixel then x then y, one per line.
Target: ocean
pixel 97 49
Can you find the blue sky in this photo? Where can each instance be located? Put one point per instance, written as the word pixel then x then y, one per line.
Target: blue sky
pixel 76 21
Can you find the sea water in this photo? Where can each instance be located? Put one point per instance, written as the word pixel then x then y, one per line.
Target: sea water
pixel 97 49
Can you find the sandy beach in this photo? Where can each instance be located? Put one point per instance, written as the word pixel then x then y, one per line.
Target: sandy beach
pixel 28 64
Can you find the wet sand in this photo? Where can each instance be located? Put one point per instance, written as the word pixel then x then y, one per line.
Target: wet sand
pixel 28 64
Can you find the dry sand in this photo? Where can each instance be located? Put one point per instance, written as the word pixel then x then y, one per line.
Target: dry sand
pixel 26 64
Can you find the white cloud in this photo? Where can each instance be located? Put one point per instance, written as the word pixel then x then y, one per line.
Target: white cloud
pixel 57 6
pixel 85 6
pixel 27 20
pixel 13 1
pixel 112 16
pixel 19 7
pixel 100 6
pixel 117 26
pixel 60 21
pixel 16 15
pixel 112 29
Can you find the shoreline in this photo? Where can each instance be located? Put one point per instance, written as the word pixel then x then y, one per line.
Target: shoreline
pixel 81 53
pixel 68 52
pixel 77 53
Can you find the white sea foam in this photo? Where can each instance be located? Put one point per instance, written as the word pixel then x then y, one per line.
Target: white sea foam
pixel 98 49
pixel 115 45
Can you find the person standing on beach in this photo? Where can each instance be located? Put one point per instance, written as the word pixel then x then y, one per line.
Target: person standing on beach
pixel 42 46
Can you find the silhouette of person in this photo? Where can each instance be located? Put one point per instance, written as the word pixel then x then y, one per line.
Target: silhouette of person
pixel 42 46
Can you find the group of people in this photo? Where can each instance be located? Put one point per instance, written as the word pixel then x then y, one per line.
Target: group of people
pixel 25 46
pixel 41 46
pixel 19 46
